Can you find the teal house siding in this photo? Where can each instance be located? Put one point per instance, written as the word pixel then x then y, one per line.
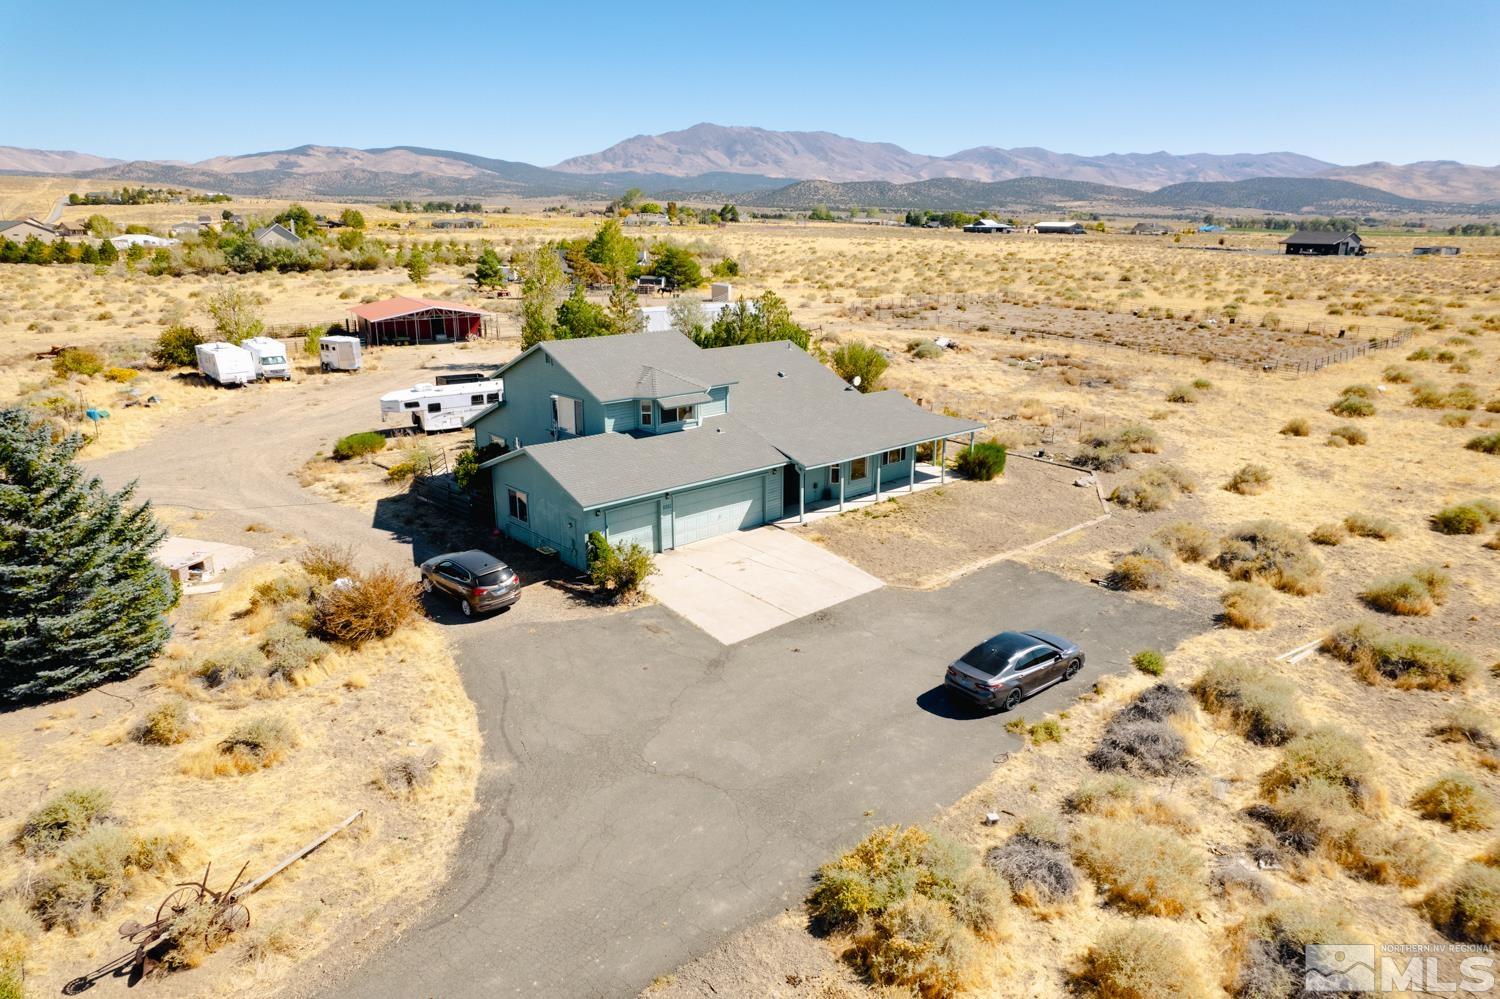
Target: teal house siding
pixel 553 520
pixel 527 412
pixel 622 417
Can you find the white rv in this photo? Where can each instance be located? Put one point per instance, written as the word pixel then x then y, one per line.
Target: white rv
pixel 440 407
pixel 269 357
pixel 339 353
pixel 225 363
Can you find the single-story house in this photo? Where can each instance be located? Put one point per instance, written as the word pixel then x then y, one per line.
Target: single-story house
pixel 146 239
pixel 187 228
pixel 1150 229
pixel 404 321
pixel 458 224
pixel 1434 251
pixel 647 218
pixel 73 229
pixel 989 225
pixel 20 230
pixel 1060 228
pixel 649 439
pixel 1325 244
pixel 276 234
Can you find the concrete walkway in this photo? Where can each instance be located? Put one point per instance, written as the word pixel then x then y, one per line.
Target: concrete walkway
pixel 738 585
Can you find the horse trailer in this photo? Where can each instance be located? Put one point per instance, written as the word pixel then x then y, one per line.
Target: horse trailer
pixel 430 407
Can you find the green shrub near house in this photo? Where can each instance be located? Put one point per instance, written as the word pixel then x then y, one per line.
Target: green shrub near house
pixel 358 445
pixel 619 572
pixel 982 460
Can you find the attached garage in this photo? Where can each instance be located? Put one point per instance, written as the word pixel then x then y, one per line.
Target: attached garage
pixel 634 524
pixel 709 511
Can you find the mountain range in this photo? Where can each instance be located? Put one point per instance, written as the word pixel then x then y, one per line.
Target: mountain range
pixel 784 169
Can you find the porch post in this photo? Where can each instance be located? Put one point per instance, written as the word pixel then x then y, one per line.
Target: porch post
pixel 801 497
pixel 842 477
pixel 943 462
pixel 911 478
pixel 875 460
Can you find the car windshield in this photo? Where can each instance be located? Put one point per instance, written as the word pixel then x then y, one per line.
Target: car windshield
pixel 991 657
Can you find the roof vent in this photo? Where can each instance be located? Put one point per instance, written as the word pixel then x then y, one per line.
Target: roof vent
pixel 718 430
pixel 781 374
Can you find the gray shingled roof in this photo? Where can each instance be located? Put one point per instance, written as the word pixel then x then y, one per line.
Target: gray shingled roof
pixel 1308 238
pixel 807 412
pixel 655 383
pixel 610 468
pixel 612 368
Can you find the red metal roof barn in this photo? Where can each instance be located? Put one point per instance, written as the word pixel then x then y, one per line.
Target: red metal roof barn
pixel 404 321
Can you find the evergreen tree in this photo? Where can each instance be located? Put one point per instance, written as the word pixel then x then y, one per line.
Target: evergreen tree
pixel 625 315
pixel 611 249
pixel 489 271
pixel 766 320
pixel 84 602
pixel 677 264
pixel 578 317
pixel 417 266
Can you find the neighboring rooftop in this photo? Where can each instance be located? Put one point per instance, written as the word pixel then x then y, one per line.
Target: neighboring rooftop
pixel 1309 238
pixel 392 308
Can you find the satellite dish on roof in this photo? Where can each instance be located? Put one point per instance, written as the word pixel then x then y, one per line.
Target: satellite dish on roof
pixel 855 381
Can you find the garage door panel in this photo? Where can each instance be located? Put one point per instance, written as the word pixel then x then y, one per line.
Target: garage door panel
pixel 719 509
pixel 634 524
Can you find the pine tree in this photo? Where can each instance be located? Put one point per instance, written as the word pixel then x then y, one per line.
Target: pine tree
pixel 624 309
pixel 84 602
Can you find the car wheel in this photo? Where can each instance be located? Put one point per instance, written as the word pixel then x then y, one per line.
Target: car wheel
pixel 1011 700
pixel 1072 670
pixel 426 585
pixel 464 606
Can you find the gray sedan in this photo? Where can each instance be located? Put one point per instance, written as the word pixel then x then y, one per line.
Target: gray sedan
pixel 999 672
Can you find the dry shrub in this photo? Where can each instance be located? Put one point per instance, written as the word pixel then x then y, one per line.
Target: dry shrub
pixel 328 562
pixel 369 606
pixel 1327 534
pixel 200 930
pixel 1296 427
pixel 277 592
pixel 1182 393
pixel 1467 907
pixel 1146 567
pixel 1247 606
pixel 1120 797
pixel 1141 869
pixel 1409 662
pixel 405 774
pixel 226 666
pixel 1465 518
pixel 1352 406
pixel 1140 739
pixel 1363 525
pixel 18 927
pixel 291 653
pixel 1249 480
pixel 888 865
pixel 1472 725
pixel 1271 553
pixel 1329 756
pixel 1485 443
pixel 918 944
pixel 63 817
pixel 1315 818
pixel 1457 799
pixel 1037 869
pixel 1103 458
pixel 1411 595
pixel 1141 960
pixel 167 724
pixel 1348 435
pixel 1150 662
pixel 254 745
pixel 1190 541
pixel 1237 876
pixel 1259 704
pixel 96 870
pixel 1272 947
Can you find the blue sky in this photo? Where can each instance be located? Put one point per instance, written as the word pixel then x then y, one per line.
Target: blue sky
pixel 1344 81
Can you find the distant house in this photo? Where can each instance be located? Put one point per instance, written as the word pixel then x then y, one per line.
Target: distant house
pixel 404 321
pixel 1150 229
pixel 79 228
pixel 989 225
pixel 187 228
pixel 1434 251
pixel 276 234
pixel 1060 228
pixel 458 224
pixel 1325 244
pixel 20 230
pixel 647 218
pixel 145 239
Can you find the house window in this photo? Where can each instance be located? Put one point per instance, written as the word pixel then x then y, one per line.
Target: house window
pixel 676 414
pixel 567 414
pixel 833 474
pixel 858 468
pixel 646 413
pixel 517 501
pixel 895 457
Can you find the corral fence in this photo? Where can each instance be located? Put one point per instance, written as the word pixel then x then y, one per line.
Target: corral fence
pixel 1296 365
pixel 433 483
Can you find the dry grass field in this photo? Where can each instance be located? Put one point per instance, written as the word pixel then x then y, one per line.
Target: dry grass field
pixel 1276 505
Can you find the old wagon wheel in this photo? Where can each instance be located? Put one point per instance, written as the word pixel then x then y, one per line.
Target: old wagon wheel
pixel 178 902
pixel 233 918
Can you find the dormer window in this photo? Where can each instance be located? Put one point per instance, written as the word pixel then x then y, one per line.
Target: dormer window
pixel 646 412
pixel 676 414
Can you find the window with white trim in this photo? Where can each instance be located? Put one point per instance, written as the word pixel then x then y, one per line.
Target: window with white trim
pixel 677 414
pixel 646 412
pixel 858 468
pixel 567 414
pixel 895 457
pixel 517 502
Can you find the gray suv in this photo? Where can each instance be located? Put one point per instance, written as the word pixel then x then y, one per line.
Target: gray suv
pixel 478 580
pixel 999 672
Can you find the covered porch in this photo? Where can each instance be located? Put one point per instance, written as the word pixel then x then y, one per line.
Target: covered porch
pixel 827 490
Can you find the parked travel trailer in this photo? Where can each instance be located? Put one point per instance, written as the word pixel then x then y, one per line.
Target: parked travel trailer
pixel 225 363
pixel 431 407
pixel 339 353
pixel 269 357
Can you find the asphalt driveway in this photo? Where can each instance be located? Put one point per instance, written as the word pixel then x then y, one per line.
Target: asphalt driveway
pixel 741 584
pixel 647 790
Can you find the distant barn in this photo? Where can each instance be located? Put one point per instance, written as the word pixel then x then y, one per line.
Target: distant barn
pixel 1434 251
pixel 1325 244
pixel 1061 228
pixel 458 224
pixel 988 225
pixel 1149 229
pixel 405 321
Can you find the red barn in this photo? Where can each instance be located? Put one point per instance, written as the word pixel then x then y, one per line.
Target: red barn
pixel 404 321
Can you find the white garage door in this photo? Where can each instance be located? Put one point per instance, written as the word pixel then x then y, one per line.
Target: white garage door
pixel 634 524
pixel 712 510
